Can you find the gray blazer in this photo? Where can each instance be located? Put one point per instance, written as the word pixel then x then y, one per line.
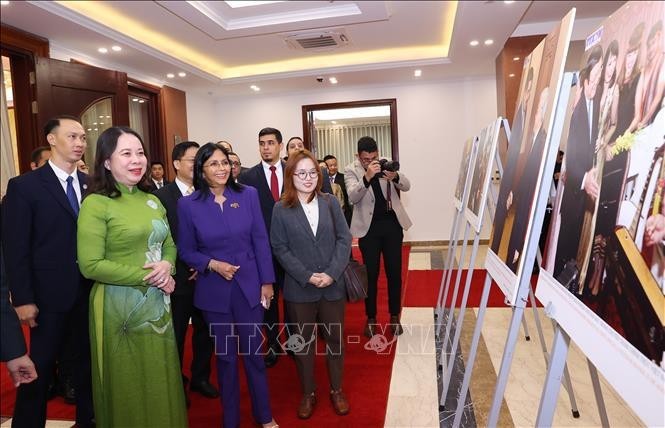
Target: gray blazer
pixel 362 198
pixel 301 253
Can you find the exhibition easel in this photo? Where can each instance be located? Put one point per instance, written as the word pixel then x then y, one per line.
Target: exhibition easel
pixel 490 200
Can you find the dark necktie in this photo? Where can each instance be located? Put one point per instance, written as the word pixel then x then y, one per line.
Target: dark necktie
pixel 274 184
pixel 71 195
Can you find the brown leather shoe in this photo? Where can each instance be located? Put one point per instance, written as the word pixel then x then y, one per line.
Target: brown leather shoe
pixel 395 325
pixel 339 402
pixel 306 407
pixel 370 327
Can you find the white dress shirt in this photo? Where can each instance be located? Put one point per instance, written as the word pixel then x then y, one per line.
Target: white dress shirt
pixel 62 176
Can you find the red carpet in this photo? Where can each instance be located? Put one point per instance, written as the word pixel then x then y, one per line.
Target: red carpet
pixel 366 381
pixel 422 289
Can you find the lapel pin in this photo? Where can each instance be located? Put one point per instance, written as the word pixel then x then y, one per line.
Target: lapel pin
pixel 235 205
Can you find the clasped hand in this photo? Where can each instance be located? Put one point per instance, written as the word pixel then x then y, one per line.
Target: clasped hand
pixel 226 270
pixel 160 276
pixel 320 280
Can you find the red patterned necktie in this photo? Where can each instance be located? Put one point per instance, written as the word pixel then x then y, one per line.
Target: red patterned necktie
pixel 274 184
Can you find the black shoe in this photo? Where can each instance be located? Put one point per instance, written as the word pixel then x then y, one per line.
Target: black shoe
pixel 204 388
pixel 370 328
pixel 66 391
pixel 51 392
pixel 395 325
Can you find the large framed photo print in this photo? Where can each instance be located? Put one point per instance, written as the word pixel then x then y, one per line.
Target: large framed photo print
pixel 529 153
pixel 465 172
pixel 604 261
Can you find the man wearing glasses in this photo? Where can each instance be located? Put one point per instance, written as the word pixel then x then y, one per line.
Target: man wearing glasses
pixel 379 221
pixel 182 299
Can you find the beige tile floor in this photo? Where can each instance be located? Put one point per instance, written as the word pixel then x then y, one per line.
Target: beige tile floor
pixel 408 405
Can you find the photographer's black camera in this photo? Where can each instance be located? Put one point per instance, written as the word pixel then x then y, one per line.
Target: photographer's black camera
pixel 389 165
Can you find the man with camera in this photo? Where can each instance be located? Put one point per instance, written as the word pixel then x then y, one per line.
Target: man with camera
pixel 379 221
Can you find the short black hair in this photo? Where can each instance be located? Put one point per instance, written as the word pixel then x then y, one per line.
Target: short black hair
pixel 36 154
pixel 367 144
pixel 328 157
pixel 273 131
pixel 54 122
pixel 180 149
pixel 153 163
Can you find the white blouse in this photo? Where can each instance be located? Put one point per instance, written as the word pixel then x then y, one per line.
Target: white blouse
pixel 311 210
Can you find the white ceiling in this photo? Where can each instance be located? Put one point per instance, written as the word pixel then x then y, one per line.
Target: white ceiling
pixel 224 50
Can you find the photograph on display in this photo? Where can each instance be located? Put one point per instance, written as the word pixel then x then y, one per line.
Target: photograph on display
pixel 534 114
pixel 467 158
pixel 606 242
pixel 487 142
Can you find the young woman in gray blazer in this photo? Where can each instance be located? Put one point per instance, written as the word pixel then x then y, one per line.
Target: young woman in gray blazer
pixel 311 240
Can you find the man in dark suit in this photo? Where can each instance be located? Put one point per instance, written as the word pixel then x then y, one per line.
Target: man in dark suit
pixel 182 299
pixel 157 179
pixel 267 177
pixel 509 169
pixel 48 292
pixel 338 178
pixel 581 186
pixel 12 344
pixel 525 192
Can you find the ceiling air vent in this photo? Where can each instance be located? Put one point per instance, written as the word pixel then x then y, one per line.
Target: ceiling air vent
pixel 324 40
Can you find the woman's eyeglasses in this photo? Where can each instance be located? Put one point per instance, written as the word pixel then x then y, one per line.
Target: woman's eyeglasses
pixel 217 164
pixel 303 174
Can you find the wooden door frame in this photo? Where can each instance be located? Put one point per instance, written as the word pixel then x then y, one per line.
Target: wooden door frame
pixel 157 147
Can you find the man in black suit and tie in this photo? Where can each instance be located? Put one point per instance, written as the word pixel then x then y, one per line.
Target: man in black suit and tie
pixel 338 178
pixel 48 292
pixel 526 188
pixel 581 186
pixel 267 177
pixel 510 167
pixel 182 299
pixel 157 178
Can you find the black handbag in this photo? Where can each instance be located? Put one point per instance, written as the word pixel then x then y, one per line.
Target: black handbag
pixel 355 273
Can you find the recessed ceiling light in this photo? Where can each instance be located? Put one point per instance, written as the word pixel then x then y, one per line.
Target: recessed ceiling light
pixel 516 58
pixel 96 129
pixel 134 99
pixel 141 101
pixel 182 74
pixel 255 88
pixel 4 2
pixel 170 75
pixel 474 42
pixel 101 117
pixel 511 75
pixel 116 48
pixel 334 122
pixel 89 129
pixel 333 80
pixel 108 117
pixel 101 123
pixel 508 1
pixel 102 50
pixel 94 123
pixel 417 73
pixel 489 42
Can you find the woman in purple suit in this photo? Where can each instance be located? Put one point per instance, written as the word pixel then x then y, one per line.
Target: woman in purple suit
pixel 223 236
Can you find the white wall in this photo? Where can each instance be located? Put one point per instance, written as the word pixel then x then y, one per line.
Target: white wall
pixel 201 118
pixel 434 119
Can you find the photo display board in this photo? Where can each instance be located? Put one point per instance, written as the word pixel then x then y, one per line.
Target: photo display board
pixel 482 172
pixel 465 172
pixel 528 150
pixel 604 261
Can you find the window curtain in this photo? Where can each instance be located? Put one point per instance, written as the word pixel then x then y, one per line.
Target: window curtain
pixel 7 169
pixel 136 118
pixel 342 140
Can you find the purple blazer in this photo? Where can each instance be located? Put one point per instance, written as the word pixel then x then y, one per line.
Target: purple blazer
pixel 236 235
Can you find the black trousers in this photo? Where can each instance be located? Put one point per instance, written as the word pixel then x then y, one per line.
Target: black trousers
pixel 385 237
pixel 271 315
pixel 46 341
pixel 182 307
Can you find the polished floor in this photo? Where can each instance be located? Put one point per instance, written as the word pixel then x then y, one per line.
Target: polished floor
pixel 413 374
pixel 414 398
